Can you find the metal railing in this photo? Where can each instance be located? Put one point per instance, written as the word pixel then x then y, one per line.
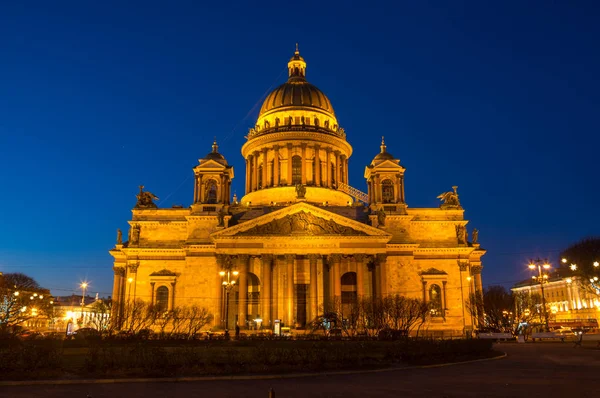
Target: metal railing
pixel 355 193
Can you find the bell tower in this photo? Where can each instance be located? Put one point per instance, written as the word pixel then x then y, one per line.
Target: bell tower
pixel 385 179
pixel 212 179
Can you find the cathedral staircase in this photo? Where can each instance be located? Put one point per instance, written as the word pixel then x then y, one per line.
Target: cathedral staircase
pixel 355 193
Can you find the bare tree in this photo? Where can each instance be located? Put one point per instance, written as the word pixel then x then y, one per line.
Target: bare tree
pixel 140 316
pixel 21 299
pixel 19 281
pixel 196 318
pixel 582 260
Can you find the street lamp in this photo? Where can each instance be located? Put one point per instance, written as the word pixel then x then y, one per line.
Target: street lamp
pixel 541 278
pixel 228 284
pixel 83 286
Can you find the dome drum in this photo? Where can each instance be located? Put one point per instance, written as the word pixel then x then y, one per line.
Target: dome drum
pixel 277 128
pixel 288 194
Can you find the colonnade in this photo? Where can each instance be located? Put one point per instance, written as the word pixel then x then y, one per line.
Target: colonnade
pixel 258 161
pixel 324 289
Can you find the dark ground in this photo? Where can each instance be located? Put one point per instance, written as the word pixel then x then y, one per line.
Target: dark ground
pixel 530 370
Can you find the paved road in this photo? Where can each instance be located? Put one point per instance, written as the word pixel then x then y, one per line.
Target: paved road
pixel 530 370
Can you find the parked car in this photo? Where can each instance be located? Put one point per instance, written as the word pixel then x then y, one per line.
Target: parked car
pixel 84 333
pixel 564 331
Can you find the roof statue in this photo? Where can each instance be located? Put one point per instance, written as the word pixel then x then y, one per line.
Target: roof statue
pixel 450 199
pixel 475 235
pixel 145 199
pixel 300 191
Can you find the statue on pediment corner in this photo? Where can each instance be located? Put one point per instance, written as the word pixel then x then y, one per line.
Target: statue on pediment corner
pixel 145 199
pixel 119 237
pixel 475 235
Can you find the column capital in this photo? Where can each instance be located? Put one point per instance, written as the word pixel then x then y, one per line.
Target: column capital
pixel 361 257
pixel 243 258
pixel 463 265
pixel 276 148
pixel 290 257
pixel 380 258
pixel 313 258
pixel 303 145
pixel 133 267
pixel 267 258
pixel 334 258
pixel 476 269
pixel 119 271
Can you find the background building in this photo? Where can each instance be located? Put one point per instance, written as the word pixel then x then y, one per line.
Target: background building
pixel 301 238
pixel 567 301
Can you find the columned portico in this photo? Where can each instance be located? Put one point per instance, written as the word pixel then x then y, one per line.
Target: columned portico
pixel 243 289
pixel 289 288
pixel 314 296
pixel 267 264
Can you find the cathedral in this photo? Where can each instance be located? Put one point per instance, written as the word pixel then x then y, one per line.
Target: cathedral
pixel 301 237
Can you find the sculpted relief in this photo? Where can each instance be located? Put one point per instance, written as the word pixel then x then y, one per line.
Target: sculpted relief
pixel 301 223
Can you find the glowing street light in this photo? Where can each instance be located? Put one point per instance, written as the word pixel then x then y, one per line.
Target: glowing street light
pixel 541 278
pixel 83 286
pixel 228 285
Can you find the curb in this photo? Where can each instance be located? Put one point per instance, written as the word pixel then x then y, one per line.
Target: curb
pixel 230 378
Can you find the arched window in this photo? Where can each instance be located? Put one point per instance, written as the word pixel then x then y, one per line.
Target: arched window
pixel 387 191
pixel 211 191
pixel 435 300
pixel 162 298
pixel 253 297
pixel 349 292
pixel 296 170
pixel 260 176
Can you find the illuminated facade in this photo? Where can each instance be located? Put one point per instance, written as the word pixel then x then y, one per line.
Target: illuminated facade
pixel 566 298
pixel 301 237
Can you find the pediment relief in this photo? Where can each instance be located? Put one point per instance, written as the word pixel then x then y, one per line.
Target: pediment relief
pixel 300 219
pixel 301 223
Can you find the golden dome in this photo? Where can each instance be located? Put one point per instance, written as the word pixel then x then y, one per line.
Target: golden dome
pixel 296 93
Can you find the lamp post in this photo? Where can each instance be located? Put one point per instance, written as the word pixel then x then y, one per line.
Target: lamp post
pixel 129 280
pixel 228 284
pixel 83 286
pixel 541 278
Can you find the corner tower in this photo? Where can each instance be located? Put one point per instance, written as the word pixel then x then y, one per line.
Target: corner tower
pixel 385 179
pixel 212 179
pixel 296 141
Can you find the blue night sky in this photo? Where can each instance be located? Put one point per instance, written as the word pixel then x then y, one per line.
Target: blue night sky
pixel 97 98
